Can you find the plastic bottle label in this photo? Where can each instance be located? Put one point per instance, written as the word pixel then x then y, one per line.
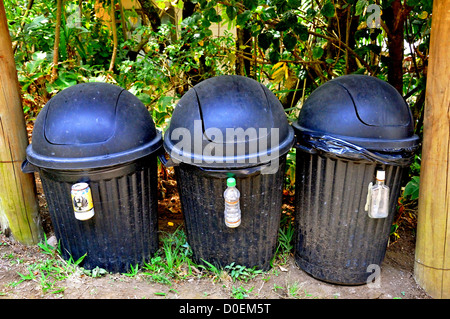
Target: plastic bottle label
pixel 232 210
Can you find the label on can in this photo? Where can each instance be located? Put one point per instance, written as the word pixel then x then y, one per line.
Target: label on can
pixel 83 205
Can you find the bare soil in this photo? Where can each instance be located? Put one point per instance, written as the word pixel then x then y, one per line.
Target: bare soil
pixel 284 281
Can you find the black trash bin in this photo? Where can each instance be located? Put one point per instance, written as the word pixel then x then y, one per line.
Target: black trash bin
pixel 348 129
pixel 101 135
pixel 230 126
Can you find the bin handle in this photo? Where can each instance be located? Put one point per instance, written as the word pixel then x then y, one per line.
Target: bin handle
pixel 166 162
pixel 236 172
pixel 305 149
pixel 27 167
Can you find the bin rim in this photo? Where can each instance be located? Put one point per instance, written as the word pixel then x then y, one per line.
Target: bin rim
pixel 92 162
pixel 381 145
pixel 230 162
pixel 398 152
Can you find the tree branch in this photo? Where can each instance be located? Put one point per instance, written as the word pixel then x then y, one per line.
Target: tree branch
pixel 114 32
pixel 57 37
pixel 22 24
pixel 123 21
pixel 350 50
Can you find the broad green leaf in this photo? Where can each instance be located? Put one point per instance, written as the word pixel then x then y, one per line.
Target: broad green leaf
pixel 231 12
pixel 212 15
pixel 360 5
pixel 328 9
pixel 282 26
pixel 301 31
pixel 317 52
pixel 36 23
pixel 311 13
pixel 268 13
pixel 242 18
pixel 251 4
pixel 412 188
pixel 294 4
pixel 36 60
pixel 265 40
pixel 289 42
pixel 274 56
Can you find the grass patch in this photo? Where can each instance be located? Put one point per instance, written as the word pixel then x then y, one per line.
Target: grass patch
pixel 49 272
pixel 172 262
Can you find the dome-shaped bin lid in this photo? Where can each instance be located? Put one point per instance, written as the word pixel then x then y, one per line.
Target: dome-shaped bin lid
pixel 92 125
pixel 228 121
pixel 362 110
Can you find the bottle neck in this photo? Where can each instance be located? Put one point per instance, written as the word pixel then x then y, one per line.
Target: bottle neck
pixel 380 181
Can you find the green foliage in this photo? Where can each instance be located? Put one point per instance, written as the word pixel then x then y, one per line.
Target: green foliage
pixel 96 272
pixel 50 272
pixel 293 31
pixel 169 261
pixel 285 239
pixel 360 6
pixel 292 47
pixel 241 292
pixel 412 188
pixel 328 9
pixel 240 272
pixel 290 169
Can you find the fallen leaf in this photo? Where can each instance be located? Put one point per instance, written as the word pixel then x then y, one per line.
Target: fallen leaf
pixel 282 268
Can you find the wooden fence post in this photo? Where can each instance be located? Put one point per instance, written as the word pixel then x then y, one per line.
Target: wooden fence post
pixel 432 259
pixel 19 216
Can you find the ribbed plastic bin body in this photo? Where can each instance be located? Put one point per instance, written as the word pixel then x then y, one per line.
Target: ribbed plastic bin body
pixel 206 114
pixel 123 231
pixel 253 243
pixel 102 136
pixel 336 241
pixel 349 130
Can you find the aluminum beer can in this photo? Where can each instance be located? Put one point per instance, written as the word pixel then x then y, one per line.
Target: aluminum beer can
pixel 83 205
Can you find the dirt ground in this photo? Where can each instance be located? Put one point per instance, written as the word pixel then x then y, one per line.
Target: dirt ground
pixel 284 281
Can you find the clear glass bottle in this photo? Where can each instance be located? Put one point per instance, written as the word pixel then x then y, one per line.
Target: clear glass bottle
pixel 232 207
pixel 378 198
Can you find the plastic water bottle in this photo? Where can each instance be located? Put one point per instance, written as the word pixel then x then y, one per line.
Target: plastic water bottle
pixel 232 208
pixel 378 198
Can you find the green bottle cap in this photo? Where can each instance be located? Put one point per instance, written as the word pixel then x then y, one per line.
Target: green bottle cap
pixel 231 182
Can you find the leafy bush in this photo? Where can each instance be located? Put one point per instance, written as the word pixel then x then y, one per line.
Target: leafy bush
pixel 291 46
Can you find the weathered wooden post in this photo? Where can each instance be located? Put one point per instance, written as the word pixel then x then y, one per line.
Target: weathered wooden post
pixel 18 204
pixel 432 260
